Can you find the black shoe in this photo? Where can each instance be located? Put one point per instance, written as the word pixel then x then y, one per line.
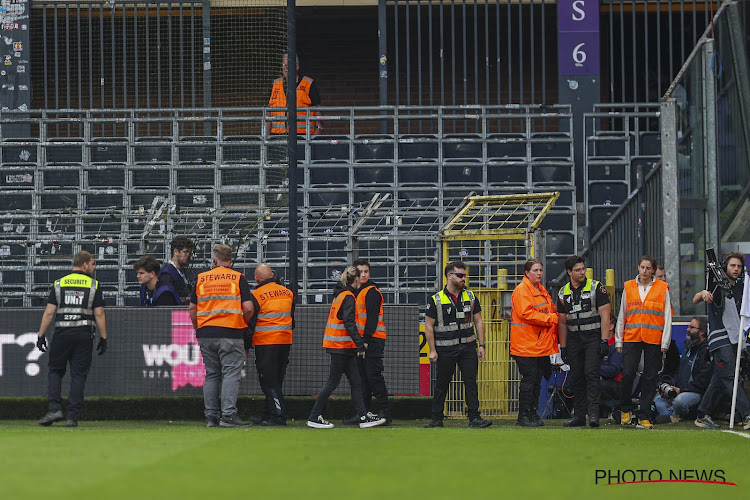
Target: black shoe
pixel 71 423
pixel 257 420
pixel 594 422
pixel 576 422
pixel 536 418
pixel 351 420
pixel 525 421
pixel 233 421
pixel 387 416
pixel 274 422
pixel 479 423
pixel 433 423
pixel 212 421
pixel 51 417
pixel 662 419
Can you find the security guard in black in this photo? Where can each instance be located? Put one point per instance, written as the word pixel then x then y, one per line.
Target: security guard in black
pixel 584 347
pixel 76 303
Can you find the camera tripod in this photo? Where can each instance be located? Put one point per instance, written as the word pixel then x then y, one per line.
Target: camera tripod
pixel 556 395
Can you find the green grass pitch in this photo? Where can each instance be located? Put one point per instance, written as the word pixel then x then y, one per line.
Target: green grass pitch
pixel 185 460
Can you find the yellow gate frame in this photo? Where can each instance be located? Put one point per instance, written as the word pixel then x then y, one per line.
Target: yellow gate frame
pixel 494 236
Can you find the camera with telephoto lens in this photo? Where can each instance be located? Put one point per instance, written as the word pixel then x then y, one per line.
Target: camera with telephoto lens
pixel 666 391
pixel 716 276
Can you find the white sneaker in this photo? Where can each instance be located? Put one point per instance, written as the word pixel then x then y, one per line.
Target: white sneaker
pixel 320 423
pixel 370 420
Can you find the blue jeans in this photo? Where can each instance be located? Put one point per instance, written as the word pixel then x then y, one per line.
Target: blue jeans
pixel 681 405
pixel 224 359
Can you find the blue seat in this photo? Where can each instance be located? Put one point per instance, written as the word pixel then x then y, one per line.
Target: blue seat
pixel 374 172
pixel 241 149
pixel 560 243
pixel 329 174
pixel 195 177
pixel 552 172
pixel 418 148
pixel 113 176
pixel 418 173
pixel 150 178
pixel 246 176
pixel 329 147
pixel 152 150
pixel 507 173
pixel 607 169
pixel 558 221
pixel 607 193
pixel 463 146
pixel 201 200
pixel 109 150
pixel 373 147
pixel 19 154
pixel 197 149
pixel 612 144
pixel 650 143
pixel 506 146
pixel 598 217
pixel 62 179
pixel 61 152
pixel 551 145
pixel 462 172
pixel 320 198
pixel 15 201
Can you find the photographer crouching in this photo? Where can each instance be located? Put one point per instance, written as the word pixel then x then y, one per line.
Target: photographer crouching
pixel 678 400
pixel 723 304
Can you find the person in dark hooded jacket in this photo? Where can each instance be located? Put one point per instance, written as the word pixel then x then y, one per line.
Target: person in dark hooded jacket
pixel 344 343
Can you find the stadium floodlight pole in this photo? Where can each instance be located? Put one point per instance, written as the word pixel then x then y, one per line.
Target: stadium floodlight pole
pixel 291 130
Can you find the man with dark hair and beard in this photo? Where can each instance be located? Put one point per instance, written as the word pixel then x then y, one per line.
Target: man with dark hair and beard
pixel 678 400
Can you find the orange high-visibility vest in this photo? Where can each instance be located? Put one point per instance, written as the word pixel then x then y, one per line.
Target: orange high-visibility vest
pixel 336 336
pixel 533 327
pixel 362 313
pixel 274 320
pixel 278 100
pixel 644 321
pixel 219 299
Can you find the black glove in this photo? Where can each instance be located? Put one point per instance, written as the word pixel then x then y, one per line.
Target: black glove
pixel 41 343
pixel 564 354
pixel 102 346
pixel 604 348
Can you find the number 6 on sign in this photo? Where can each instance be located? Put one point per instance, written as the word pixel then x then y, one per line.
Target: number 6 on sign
pixel 579 56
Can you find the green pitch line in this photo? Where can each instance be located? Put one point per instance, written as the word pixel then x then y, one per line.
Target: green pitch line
pixel 185 460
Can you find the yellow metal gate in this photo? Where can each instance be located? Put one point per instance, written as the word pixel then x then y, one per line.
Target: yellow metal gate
pixel 494 236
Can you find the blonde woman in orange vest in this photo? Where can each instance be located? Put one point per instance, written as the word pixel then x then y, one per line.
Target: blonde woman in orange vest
pixel 220 308
pixel 307 95
pixel 533 338
pixel 272 340
pixel 344 343
pixel 644 325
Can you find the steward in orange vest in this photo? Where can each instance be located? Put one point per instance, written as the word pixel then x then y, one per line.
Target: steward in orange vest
pixel 369 305
pixel 272 338
pixel 307 95
pixel 533 328
pixel 220 307
pixel 533 338
pixel 644 325
pixel 344 343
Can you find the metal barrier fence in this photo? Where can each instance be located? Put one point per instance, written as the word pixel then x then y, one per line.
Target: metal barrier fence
pixel 123 183
pixel 494 52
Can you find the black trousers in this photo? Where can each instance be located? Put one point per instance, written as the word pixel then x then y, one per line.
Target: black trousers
pixel 611 395
pixel 467 361
pixel 371 372
pixel 532 369
pixel 341 364
pixel 585 362
pixel 271 362
pixel 631 358
pixel 722 383
pixel 76 350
